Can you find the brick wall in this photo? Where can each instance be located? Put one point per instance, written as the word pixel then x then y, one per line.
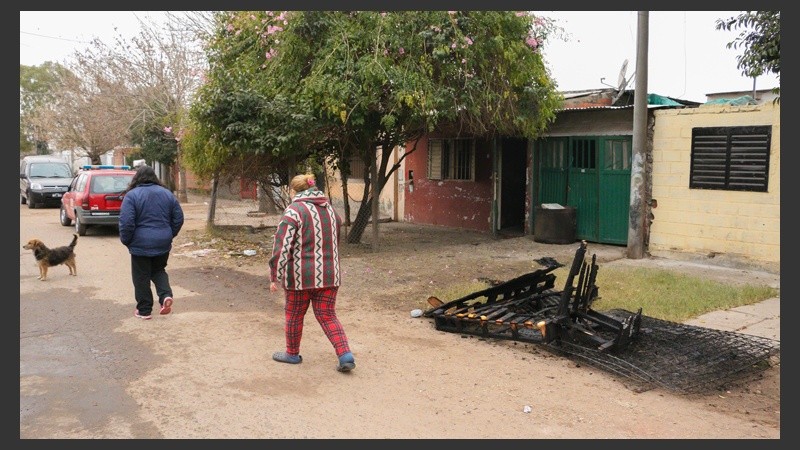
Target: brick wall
pixel 739 225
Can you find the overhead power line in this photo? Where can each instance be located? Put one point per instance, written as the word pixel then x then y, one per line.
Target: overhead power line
pixel 54 37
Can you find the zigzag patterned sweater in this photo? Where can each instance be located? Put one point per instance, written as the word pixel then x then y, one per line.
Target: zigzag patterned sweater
pixel 305 252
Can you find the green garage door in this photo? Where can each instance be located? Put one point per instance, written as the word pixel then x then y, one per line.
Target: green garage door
pixel 591 173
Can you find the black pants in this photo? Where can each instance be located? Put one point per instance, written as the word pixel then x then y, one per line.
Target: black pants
pixel 146 269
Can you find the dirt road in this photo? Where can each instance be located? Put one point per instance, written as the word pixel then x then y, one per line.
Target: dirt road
pixel 89 369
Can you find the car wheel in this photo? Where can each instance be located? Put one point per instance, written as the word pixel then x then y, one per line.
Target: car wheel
pixel 80 227
pixel 30 202
pixel 65 220
pixel 21 199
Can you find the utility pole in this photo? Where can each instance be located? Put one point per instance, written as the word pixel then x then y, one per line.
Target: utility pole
pixel 637 208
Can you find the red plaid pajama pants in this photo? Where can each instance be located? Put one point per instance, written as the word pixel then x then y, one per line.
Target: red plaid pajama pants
pixel 323 303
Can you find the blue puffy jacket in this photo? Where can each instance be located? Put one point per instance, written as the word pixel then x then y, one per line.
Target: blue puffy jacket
pixel 150 217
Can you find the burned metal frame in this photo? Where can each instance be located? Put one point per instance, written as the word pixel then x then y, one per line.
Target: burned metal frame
pixel 527 309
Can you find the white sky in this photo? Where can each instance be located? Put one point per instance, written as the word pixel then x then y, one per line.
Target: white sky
pixel 687 57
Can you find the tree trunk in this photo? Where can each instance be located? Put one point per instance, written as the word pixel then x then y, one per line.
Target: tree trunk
pixel 346 200
pixel 376 204
pixel 182 195
pixel 360 224
pixel 266 204
pixel 212 206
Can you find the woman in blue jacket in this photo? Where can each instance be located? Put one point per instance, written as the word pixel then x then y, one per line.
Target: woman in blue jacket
pixel 149 219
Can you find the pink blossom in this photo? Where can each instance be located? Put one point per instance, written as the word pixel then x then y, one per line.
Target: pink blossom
pixel 401 50
pixel 532 42
pixel 453 45
pixel 167 129
pixel 229 27
pixel 463 60
pixel 383 14
pixel 469 41
pixel 520 13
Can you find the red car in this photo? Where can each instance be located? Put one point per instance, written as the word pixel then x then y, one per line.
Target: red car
pixel 95 196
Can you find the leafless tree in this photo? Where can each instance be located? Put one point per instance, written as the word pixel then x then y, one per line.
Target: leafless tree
pixel 85 114
pixel 147 79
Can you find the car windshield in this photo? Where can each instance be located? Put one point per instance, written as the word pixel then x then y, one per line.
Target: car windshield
pixel 50 170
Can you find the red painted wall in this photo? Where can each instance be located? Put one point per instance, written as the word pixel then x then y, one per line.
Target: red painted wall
pixel 452 203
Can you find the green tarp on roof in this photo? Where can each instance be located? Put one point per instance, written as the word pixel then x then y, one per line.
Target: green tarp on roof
pixel 738 101
pixel 655 99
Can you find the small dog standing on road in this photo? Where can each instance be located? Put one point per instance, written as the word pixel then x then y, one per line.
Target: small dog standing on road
pixel 50 257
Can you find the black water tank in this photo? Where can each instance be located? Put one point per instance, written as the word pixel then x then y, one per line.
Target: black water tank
pixel 554 226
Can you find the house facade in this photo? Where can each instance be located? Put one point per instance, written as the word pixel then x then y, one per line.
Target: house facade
pixel 495 184
pixel 712 177
pixel 390 205
pixel 716 184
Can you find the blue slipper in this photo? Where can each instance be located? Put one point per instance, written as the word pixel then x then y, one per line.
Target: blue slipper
pixel 287 358
pixel 346 362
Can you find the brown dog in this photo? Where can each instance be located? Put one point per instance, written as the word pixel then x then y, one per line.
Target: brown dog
pixel 50 257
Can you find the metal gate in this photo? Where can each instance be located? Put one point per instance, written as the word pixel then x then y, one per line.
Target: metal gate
pixel 592 174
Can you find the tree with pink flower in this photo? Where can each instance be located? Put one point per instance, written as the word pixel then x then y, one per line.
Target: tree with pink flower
pixel 340 84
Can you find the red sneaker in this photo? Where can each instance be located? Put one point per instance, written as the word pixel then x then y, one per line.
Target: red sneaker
pixel 166 308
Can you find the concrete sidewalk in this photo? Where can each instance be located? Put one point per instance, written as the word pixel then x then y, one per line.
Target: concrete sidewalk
pixel 761 319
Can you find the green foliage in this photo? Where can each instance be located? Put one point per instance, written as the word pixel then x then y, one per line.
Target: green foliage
pixel 36 86
pixel 759 40
pixel 317 85
pixel 152 132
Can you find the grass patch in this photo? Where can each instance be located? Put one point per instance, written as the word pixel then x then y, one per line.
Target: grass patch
pixel 458 290
pixel 662 294
pixel 673 296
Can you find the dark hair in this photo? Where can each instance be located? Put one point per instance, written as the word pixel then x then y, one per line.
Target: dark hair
pixel 144 175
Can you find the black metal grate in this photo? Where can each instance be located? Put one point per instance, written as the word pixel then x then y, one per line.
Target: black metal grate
pixel 678 357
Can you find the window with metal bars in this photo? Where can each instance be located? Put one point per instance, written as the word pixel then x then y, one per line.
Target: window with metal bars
pixel 584 153
pixel 357 167
pixel 451 159
pixel 730 158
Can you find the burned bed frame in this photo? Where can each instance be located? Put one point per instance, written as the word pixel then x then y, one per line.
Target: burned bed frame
pixel 528 309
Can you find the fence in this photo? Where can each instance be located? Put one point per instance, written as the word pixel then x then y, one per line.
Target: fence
pixel 240 203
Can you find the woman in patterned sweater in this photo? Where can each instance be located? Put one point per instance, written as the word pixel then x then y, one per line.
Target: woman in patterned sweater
pixel 305 260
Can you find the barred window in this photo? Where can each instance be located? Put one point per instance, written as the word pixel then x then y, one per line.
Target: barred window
pixel 451 159
pixel 730 158
pixel 356 165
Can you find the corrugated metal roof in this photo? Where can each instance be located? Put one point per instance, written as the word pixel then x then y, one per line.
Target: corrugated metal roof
pixel 576 94
pixel 588 108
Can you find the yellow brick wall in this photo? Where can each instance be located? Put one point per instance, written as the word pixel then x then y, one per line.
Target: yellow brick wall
pixel 744 226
